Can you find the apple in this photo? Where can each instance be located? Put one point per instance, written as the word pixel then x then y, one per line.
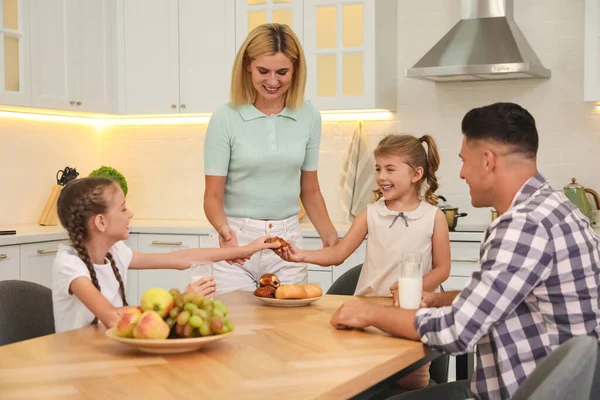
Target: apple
pixel 157 299
pixel 151 326
pixel 126 324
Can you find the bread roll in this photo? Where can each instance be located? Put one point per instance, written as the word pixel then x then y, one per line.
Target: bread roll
pixel 290 292
pixel 313 290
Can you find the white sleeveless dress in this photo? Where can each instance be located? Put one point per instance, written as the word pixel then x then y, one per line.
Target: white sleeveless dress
pixel 390 234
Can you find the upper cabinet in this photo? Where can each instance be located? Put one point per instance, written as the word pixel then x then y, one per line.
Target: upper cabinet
pixel 177 55
pixel 251 13
pixel 14 52
pixel 71 54
pixel 591 75
pixel 350 49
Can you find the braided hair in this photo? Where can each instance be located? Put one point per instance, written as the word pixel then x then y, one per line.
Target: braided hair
pixel 79 201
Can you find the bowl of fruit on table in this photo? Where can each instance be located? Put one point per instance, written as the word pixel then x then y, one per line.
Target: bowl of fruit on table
pixel 172 322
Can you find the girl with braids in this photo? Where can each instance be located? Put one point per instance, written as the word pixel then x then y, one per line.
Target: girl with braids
pixel 88 281
pixel 403 218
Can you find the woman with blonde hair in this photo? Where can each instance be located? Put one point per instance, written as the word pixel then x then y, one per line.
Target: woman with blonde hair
pixel 260 155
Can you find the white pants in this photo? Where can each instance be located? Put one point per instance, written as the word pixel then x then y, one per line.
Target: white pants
pixel 245 277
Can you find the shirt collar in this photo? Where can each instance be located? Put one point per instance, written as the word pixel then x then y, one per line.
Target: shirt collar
pixel 414 214
pixel 249 112
pixel 531 186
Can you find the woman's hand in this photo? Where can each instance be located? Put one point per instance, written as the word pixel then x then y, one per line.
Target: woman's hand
pixel 228 238
pixel 205 286
pixel 291 253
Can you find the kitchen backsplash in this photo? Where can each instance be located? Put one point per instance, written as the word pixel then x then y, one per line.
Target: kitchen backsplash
pixel 164 165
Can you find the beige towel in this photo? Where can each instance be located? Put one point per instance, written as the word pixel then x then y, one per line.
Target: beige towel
pixel 358 175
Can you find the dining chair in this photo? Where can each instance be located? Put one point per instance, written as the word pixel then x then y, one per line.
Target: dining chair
pixel 566 373
pixel 25 311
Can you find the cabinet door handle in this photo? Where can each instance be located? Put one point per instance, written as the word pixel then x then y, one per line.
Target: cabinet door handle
pixel 72 102
pixel 158 242
pixel 183 106
pixel 79 103
pixel 3 256
pixel 47 251
pixel 466 260
pixel 173 106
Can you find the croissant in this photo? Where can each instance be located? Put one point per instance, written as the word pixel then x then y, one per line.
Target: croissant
pixel 265 291
pixel 269 280
pixel 279 240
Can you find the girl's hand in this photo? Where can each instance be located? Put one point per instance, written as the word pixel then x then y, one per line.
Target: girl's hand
pixel 205 286
pixel 291 253
pixel 394 290
pixel 228 238
pixel 261 244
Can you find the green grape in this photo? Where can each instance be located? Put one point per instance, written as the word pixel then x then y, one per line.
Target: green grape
pixel 183 317
pixel 179 330
pixel 188 297
pixel 204 329
pixel 220 305
pixel 201 313
pixel 174 312
pixel 179 301
pixel 174 292
pixel 199 300
pixel 190 307
pixel 170 321
pixel 217 312
pixel 216 324
pixel 195 321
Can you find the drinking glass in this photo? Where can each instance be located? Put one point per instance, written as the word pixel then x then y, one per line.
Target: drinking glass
pixel 410 280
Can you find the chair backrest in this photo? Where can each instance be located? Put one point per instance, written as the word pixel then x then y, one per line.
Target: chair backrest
pixel 566 373
pixel 25 311
pixel 346 284
pixel 595 392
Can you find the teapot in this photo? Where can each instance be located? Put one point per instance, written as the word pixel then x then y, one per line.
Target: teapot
pixel 578 196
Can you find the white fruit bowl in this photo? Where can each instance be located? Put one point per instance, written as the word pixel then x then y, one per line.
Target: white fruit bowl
pixel 287 302
pixel 167 346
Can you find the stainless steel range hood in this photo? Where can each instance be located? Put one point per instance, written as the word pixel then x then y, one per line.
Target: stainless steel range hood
pixel 486 44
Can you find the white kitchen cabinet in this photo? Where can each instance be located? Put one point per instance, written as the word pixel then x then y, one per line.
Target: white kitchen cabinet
pixel 177 55
pixel 9 263
pixel 206 54
pixel 464 261
pixel 164 278
pixel 14 53
pixel 321 278
pixel 131 288
pixel 591 69
pixel 251 13
pixel 36 261
pixel 350 48
pixel 71 54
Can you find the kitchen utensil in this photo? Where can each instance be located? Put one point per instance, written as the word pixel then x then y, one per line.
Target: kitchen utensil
pixel 451 213
pixel 167 346
pixel 577 195
pixel 49 215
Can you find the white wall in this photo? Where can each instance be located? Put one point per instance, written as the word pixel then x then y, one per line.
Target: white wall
pixel 31 152
pixel 164 165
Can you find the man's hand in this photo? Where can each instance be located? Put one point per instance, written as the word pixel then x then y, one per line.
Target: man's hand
pixel 227 238
pixel 353 314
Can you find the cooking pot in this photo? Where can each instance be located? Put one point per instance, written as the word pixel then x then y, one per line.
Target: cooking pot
pixel 451 213
pixel 578 196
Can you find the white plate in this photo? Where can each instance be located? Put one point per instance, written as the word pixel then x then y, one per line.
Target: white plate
pixel 167 346
pixel 287 302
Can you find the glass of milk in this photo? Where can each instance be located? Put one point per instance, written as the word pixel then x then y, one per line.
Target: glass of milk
pixel 200 269
pixel 410 280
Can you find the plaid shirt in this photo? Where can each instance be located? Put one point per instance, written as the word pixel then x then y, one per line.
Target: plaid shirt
pixel 536 288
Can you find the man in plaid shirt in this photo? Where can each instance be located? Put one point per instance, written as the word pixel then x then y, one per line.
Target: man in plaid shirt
pixel 538 282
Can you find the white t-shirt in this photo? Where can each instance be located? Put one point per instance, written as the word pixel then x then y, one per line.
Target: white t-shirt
pixel 69 311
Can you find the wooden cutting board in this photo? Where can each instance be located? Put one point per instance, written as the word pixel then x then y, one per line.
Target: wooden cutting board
pixel 49 215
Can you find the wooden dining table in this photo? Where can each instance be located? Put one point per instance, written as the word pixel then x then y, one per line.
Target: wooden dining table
pixel 274 353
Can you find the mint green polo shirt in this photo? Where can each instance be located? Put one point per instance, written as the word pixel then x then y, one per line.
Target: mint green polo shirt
pixel 262 158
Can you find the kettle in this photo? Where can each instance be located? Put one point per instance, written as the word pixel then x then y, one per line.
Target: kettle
pixel 578 196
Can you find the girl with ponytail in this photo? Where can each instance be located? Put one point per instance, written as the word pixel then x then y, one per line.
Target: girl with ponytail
pixel 402 219
pixel 88 277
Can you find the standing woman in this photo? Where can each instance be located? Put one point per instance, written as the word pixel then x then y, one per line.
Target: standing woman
pixel 260 154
